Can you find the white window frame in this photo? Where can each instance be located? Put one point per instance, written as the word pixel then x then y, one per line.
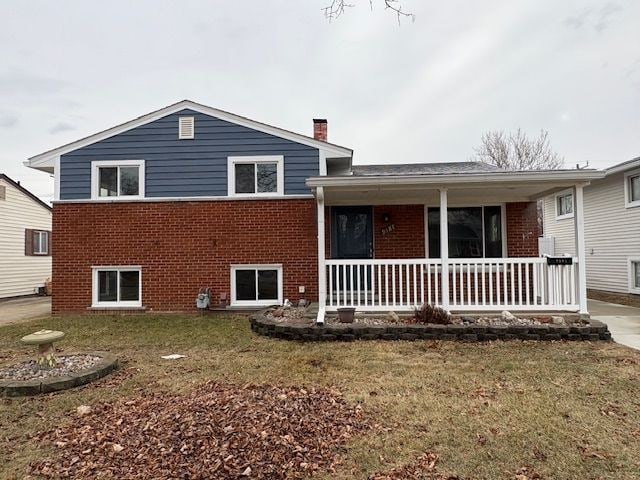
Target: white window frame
pixel 36 245
pixel 630 266
pixel 256 303
pixel 564 193
pixel 95 178
pixel 628 202
pixel 231 174
pixel 95 303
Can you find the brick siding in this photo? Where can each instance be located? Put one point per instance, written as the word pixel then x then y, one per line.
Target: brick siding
pixel 523 229
pixel 181 246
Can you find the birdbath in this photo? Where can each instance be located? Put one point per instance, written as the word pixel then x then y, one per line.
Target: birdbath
pixel 44 340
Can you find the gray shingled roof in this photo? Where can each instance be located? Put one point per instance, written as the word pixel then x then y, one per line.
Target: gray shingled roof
pixel 424 169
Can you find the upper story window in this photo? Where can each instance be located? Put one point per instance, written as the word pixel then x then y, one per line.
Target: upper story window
pixel 632 189
pixel 564 205
pixel 122 179
pixel 249 176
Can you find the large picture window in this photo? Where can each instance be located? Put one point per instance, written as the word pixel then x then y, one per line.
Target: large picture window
pixel 117 180
pixel 256 284
pixel 256 176
pixel 474 232
pixel 117 287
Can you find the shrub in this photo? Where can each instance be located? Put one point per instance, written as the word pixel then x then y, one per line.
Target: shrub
pixel 430 314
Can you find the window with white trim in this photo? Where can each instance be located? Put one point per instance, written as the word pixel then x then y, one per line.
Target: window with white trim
pixel 256 176
pixel 564 205
pixel 40 242
pixel 256 285
pixel 634 275
pixel 117 287
pixel 632 189
pixel 123 179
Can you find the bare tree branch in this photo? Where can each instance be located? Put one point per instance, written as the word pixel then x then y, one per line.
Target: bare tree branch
pixel 338 7
pixel 516 151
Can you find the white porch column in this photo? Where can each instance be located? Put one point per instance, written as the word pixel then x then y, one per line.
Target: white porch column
pixel 322 269
pixel 578 215
pixel 444 249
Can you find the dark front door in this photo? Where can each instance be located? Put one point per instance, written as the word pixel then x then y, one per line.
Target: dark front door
pixel 352 232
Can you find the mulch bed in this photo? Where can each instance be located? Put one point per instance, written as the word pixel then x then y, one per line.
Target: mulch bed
pixel 218 431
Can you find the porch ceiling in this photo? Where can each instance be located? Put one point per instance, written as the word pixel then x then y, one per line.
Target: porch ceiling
pixel 474 189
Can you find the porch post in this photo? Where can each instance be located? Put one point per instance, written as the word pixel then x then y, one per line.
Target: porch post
pixel 444 249
pixel 580 248
pixel 322 271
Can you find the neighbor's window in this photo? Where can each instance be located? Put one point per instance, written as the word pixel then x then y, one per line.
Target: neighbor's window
pixel 40 242
pixel 256 285
pixel 256 175
pixel 117 286
pixel 474 232
pixel 635 276
pixel 634 188
pixel 123 179
pixel 36 242
pixel 564 205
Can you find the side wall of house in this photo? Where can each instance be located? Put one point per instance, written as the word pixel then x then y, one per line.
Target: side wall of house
pixel 612 234
pixel 20 274
pixel 181 247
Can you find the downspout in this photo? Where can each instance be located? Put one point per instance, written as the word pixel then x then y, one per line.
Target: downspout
pixel 322 271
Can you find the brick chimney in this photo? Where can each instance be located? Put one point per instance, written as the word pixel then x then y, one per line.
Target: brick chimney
pixel 320 129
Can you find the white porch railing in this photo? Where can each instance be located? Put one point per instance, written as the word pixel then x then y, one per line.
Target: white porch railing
pixel 474 284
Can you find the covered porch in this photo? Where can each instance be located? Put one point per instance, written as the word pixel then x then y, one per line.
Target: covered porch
pixel 464 242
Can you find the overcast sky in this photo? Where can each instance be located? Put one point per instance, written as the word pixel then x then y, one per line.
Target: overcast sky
pixel 419 92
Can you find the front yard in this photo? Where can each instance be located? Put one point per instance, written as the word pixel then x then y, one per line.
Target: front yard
pixel 513 410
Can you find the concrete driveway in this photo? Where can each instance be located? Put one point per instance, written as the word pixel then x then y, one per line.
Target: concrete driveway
pixel 23 309
pixel 623 321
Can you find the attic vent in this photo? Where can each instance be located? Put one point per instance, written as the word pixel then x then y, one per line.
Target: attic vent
pixel 3 192
pixel 186 127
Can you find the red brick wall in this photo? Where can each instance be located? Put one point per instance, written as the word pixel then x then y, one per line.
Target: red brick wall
pixel 522 229
pixel 407 238
pixel 181 247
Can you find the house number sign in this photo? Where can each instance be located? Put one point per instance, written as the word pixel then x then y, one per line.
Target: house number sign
pixel 559 261
pixel 388 229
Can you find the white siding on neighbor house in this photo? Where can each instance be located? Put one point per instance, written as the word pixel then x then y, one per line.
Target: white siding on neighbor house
pixel 21 274
pixel 612 233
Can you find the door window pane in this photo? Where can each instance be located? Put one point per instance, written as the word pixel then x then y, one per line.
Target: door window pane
pixel 129 286
pixel 634 188
pixel 267 176
pixel 107 286
pixel 267 284
pixel 245 285
pixel 129 180
pixel 108 181
pixel 492 232
pixel 245 180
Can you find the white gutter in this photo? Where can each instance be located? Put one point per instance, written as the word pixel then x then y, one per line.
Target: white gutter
pixel 458 178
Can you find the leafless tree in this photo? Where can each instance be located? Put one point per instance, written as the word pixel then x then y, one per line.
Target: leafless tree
pixel 516 151
pixel 338 7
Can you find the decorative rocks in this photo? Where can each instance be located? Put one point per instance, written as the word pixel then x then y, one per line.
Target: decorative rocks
pixel 508 316
pixel 63 366
pixel 44 340
pixel 393 317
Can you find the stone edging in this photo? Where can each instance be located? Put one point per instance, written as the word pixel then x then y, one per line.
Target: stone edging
pixel 21 388
pixel 595 331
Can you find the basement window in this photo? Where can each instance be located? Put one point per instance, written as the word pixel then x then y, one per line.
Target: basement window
pixel 256 176
pixel 117 180
pixel 256 285
pixel 117 287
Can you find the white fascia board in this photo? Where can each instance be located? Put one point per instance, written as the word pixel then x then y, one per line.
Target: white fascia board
pixel 453 179
pixel 47 159
pixel 623 167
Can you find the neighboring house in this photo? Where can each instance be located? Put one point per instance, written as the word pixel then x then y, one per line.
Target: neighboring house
pixel 611 228
pixel 25 240
pixel 148 212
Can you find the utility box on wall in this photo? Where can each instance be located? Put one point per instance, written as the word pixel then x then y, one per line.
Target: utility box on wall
pixel 546 246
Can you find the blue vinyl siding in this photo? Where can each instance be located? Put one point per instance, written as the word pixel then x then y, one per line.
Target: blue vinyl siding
pixel 187 168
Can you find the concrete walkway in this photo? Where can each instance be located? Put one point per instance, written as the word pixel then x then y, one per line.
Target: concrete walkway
pixel 623 321
pixel 23 309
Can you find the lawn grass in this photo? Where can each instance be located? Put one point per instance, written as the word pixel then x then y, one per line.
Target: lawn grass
pixel 564 410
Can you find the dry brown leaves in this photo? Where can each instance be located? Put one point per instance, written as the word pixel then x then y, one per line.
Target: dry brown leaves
pixel 422 469
pixel 217 431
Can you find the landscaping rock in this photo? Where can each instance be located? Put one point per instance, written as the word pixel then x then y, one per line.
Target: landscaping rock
pixel 507 316
pixel 557 320
pixel 65 365
pixel 393 317
pixel 467 319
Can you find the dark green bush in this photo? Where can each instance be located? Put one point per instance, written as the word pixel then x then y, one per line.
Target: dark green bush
pixel 430 314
